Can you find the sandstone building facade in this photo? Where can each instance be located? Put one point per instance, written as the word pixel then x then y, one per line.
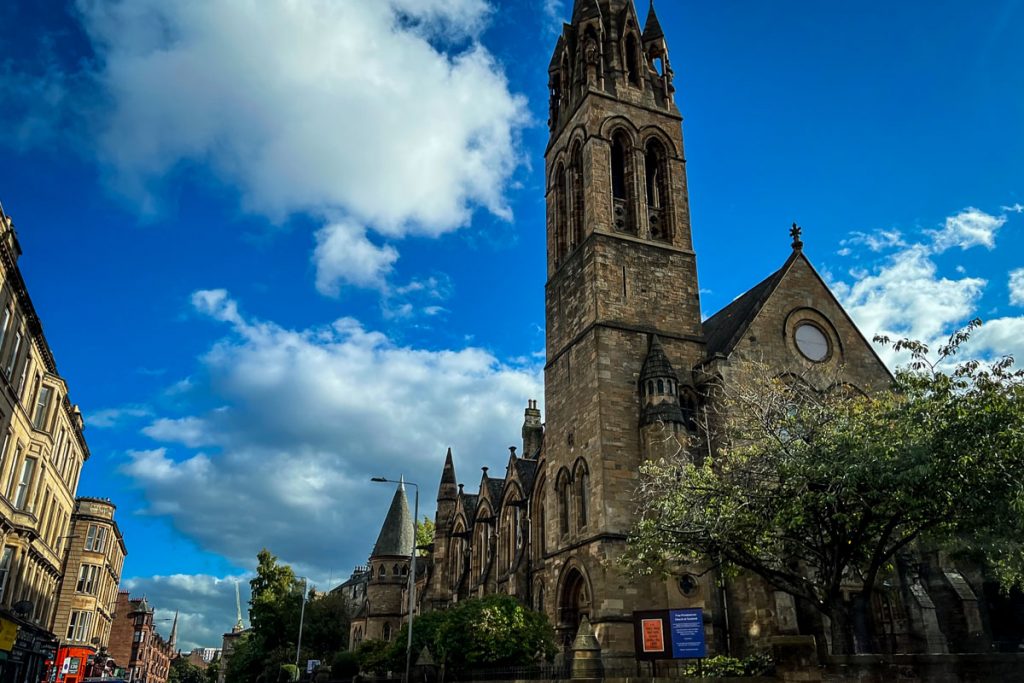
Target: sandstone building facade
pixel 42 450
pixel 631 364
pixel 88 593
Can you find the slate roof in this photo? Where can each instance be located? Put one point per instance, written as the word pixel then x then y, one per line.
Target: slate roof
pixel 396 537
pixel 723 330
pixel 448 474
pixel 585 9
pixel 495 487
pixel 657 363
pixel 527 470
pixel 469 502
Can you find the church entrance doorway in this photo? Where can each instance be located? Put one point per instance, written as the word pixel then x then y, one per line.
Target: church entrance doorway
pixel 574 604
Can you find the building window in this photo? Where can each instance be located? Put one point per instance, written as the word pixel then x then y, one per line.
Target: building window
pixel 42 407
pixel 576 173
pixel 582 484
pixel 96 538
pixel 78 626
pixel 561 213
pixel 632 65
pixel 812 342
pixel 88 579
pixel 24 482
pixel 14 355
pixel 562 491
pixel 656 167
pixel 5 326
pixel 5 569
pixel 622 178
pixel 387 633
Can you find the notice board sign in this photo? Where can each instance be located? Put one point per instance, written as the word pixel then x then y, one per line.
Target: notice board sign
pixel 669 634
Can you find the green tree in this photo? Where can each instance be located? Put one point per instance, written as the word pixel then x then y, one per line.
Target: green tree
pixel 183 671
pixel 492 631
pixel 811 490
pixel 212 671
pixel 424 534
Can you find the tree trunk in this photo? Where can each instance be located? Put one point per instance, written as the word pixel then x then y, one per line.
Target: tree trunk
pixel 841 625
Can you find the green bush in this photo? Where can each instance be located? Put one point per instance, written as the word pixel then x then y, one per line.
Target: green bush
pixel 757 664
pixel 493 631
pixel 344 665
pixel 288 673
pixel 374 656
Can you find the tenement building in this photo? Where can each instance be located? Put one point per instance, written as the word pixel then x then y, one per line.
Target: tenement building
pixel 42 450
pixel 135 644
pixel 630 369
pixel 88 594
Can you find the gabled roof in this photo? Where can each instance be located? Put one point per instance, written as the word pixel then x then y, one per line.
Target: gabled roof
pixel 396 537
pixel 725 328
pixel 494 489
pixel 583 10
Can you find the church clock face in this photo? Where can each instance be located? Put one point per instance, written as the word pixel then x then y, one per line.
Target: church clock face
pixel 811 342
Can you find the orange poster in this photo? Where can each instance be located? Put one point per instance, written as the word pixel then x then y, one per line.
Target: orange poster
pixel 653 631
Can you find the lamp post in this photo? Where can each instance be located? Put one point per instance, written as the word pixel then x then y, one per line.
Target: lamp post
pixel 302 618
pixel 412 568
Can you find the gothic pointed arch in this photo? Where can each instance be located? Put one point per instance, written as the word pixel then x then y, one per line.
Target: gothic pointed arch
pixel 575 598
pixel 561 212
pixel 581 493
pixel 657 186
pixel 576 183
pixel 538 534
pixel 622 170
pixel 563 494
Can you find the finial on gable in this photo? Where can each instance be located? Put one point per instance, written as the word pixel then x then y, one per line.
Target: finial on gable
pixel 796 232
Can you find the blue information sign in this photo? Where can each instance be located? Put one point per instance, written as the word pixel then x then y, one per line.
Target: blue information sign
pixel 686 629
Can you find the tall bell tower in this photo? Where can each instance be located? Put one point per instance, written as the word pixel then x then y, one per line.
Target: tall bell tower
pixel 621 280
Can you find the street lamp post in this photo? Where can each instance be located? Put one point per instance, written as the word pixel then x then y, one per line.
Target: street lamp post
pixel 412 568
pixel 302 618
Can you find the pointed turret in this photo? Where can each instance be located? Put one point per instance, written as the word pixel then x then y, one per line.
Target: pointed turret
pixel 652 29
pixel 396 537
pixel 448 490
pixel 533 431
pixel 659 387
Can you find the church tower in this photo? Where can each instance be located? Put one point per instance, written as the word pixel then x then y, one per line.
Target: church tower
pixel 622 283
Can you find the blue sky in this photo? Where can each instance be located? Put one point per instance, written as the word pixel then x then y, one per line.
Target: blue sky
pixel 281 247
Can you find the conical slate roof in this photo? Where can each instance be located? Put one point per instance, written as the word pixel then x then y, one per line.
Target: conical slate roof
pixel 448 475
pixel 396 536
pixel 657 363
pixel 652 29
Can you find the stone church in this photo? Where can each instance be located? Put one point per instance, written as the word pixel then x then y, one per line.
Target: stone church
pixel 628 355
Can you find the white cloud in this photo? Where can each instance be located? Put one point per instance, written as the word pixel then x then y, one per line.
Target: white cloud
pixel 906 297
pixel 312 106
pixel 309 416
pixel 1017 287
pixel 1015 208
pixel 112 417
pixel 880 240
pixel 345 255
pixel 969 228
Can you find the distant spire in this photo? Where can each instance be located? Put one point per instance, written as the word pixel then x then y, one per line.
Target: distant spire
pixel 796 232
pixel 447 489
pixel 173 640
pixel 239 626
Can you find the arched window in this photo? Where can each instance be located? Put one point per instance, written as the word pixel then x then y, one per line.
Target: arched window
pixel 582 494
pixel 656 171
pixel 576 166
pixel 661 387
pixel 382 572
pixel 622 178
pixel 540 520
pixel 632 66
pixel 386 633
pixel 561 213
pixel 562 490
pixel 395 571
pixel 405 570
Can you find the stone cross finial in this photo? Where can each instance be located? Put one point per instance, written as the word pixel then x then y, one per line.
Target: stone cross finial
pixel 795 233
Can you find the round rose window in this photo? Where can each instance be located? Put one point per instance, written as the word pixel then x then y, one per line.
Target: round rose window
pixel 812 342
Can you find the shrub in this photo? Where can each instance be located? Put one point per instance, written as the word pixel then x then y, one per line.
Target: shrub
pixel 344 665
